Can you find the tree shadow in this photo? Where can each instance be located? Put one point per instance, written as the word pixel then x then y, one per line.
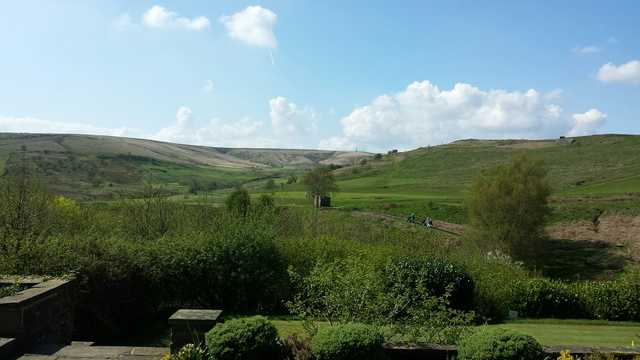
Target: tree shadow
pixel 580 260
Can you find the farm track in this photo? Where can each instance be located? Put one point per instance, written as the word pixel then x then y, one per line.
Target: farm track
pixel 447 227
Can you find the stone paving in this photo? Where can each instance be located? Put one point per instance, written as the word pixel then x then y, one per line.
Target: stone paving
pixel 87 351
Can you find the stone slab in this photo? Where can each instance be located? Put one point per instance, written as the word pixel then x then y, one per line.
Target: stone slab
pixel 194 316
pixel 75 351
pixel 149 351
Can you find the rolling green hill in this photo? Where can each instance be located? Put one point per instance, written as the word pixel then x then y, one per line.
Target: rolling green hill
pixel 587 173
pixel 84 166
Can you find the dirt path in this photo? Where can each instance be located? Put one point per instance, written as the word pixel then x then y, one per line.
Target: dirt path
pixel 621 232
pixel 450 228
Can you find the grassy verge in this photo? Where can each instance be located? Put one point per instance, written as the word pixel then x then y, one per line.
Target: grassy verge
pixel 549 332
pixel 594 333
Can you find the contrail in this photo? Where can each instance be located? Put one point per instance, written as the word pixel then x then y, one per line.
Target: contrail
pixel 271 55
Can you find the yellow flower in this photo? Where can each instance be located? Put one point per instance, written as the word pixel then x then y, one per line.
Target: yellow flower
pixel 565 355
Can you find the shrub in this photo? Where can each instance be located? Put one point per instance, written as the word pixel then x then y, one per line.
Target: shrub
pixel 540 298
pixel 295 348
pixel 416 278
pixel 612 300
pixel 244 339
pixel 266 202
pixel 238 201
pixel 238 267
pixel 499 344
pixel 348 342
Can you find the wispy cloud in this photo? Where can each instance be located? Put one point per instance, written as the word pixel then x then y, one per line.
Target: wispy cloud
pixel 586 50
pixel 209 87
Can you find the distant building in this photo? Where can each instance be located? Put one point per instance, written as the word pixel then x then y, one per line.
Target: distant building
pixel 322 201
pixel 565 141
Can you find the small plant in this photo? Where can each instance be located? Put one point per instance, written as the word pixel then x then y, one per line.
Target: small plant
pixel 499 344
pixel 348 342
pixel 565 355
pixel 295 348
pixel 10 290
pixel 189 352
pixel 244 339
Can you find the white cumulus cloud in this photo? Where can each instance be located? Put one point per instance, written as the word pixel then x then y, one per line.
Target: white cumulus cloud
pixel 625 73
pixel 423 114
pixel 216 132
pixel 160 17
pixel 253 26
pixel 587 123
pixel 289 118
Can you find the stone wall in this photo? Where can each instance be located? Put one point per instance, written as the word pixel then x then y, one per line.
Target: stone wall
pixel 41 314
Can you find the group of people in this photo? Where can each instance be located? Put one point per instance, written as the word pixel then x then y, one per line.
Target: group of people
pixel 428 222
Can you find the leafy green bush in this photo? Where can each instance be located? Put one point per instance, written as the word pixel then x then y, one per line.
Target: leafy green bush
pixel 499 344
pixel 360 289
pixel 416 278
pixel 612 300
pixel 238 268
pixel 238 201
pixel 617 299
pixel 244 339
pixel 544 298
pixel 348 342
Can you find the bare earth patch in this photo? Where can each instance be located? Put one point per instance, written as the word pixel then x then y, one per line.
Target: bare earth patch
pixel 617 230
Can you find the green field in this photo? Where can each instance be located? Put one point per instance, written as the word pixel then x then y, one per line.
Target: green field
pixel 549 332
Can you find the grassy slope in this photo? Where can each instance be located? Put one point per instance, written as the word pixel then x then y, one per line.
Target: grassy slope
pixel 84 166
pixel 592 172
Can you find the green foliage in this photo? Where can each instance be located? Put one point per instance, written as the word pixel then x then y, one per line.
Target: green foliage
pixel 25 212
pixel 508 208
pixel 150 216
pixel 348 342
pixel 384 293
pixel 237 267
pixel 270 184
pixel 319 181
pixel 618 299
pixel 10 290
pixel 545 298
pixel 499 344
pixel 189 352
pixel 415 279
pixel 238 201
pixel 292 179
pixel 251 338
pixel 612 300
pixel 266 202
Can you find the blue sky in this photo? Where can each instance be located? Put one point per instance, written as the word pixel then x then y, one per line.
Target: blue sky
pixel 331 74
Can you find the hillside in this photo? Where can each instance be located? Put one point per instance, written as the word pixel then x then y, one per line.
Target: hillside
pixel 592 165
pixel 587 173
pixel 86 166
